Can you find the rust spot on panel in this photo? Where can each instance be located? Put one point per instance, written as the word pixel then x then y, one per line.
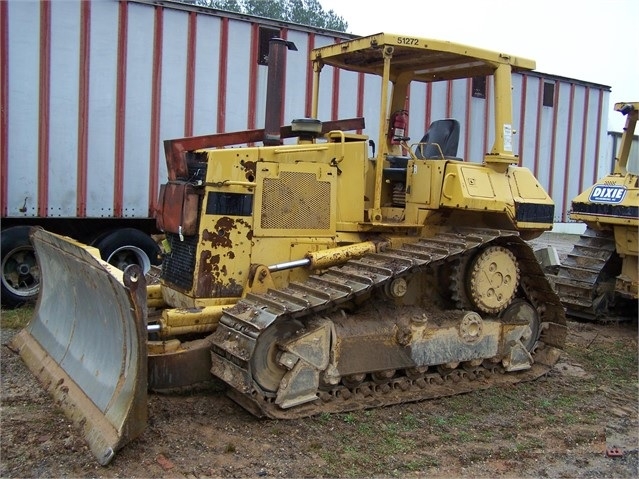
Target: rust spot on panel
pixel 212 280
pixel 220 237
pixel 225 223
pixel 204 276
pixel 213 276
pixel 249 169
pixel 248 226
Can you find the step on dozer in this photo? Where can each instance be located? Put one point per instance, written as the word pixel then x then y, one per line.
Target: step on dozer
pixel 86 342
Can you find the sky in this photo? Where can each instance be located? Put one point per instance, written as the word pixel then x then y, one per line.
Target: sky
pixel 588 40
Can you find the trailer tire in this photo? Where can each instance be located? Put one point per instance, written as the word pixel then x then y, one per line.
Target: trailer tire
pixel 126 246
pixel 20 270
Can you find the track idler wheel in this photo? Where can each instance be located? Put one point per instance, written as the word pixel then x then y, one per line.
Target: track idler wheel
pixel 288 359
pixel 265 365
pixel 521 310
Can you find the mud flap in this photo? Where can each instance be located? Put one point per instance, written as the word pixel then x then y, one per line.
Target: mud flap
pixel 86 343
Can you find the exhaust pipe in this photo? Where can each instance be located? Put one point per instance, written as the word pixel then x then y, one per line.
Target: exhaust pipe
pixel 274 89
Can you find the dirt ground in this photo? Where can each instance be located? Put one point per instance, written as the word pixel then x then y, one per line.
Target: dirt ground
pixel 580 420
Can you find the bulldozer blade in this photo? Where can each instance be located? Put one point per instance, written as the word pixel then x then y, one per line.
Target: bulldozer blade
pixel 86 342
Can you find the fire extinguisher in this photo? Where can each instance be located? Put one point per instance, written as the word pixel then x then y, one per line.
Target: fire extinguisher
pixel 398 124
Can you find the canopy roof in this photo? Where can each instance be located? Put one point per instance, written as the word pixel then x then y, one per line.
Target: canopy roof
pixel 425 59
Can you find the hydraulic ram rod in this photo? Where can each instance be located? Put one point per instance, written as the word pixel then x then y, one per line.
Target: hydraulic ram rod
pixel 328 257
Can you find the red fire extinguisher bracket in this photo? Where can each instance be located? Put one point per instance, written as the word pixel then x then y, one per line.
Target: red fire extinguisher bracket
pixel 398 127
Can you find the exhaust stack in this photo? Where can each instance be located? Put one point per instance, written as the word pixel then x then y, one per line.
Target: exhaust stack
pixel 274 89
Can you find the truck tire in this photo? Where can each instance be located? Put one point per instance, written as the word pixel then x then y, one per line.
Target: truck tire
pixel 126 246
pixel 20 270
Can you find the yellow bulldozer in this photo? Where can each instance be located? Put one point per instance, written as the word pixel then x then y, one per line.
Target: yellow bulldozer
pixel 317 271
pixel 598 279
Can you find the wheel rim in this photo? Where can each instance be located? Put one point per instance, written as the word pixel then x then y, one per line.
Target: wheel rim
pixel 127 255
pixel 21 273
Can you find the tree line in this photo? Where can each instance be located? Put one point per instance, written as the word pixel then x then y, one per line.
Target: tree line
pixel 303 12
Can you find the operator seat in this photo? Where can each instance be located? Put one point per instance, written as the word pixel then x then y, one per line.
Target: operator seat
pixel 443 132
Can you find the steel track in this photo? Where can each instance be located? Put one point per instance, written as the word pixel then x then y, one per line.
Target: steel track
pixel 241 326
pixel 585 281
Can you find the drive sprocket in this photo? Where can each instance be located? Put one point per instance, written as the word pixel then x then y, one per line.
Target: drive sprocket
pixel 487 280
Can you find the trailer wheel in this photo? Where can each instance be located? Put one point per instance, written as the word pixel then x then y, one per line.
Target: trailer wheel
pixel 126 246
pixel 20 270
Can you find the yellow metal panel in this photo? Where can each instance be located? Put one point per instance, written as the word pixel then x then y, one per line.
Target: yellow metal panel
pixel 627 240
pixel 223 262
pixel 270 251
pixel 477 182
pixel 232 164
pixel 424 185
pixel 223 256
pixel 526 186
pixel 474 188
pixel 297 199
pixel 351 179
pixel 418 189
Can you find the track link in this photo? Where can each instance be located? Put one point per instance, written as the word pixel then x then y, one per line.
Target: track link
pixel 585 281
pixel 240 327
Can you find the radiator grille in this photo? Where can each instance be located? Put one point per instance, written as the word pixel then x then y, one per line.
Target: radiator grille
pixel 178 266
pixel 622 211
pixel 296 201
pixel 534 213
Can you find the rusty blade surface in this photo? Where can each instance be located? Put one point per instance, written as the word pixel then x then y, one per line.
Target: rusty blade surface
pixel 86 343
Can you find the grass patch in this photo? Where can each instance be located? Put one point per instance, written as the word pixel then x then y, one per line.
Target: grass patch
pixel 420 464
pixel 366 428
pixel 591 417
pixel 606 361
pixel 439 421
pixel 461 420
pixel 16 318
pixel 349 418
pixel 394 444
pixel 562 400
pixel 485 435
pixel 333 462
pixel 324 418
pixel 532 443
pixel 465 436
pixel 410 422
